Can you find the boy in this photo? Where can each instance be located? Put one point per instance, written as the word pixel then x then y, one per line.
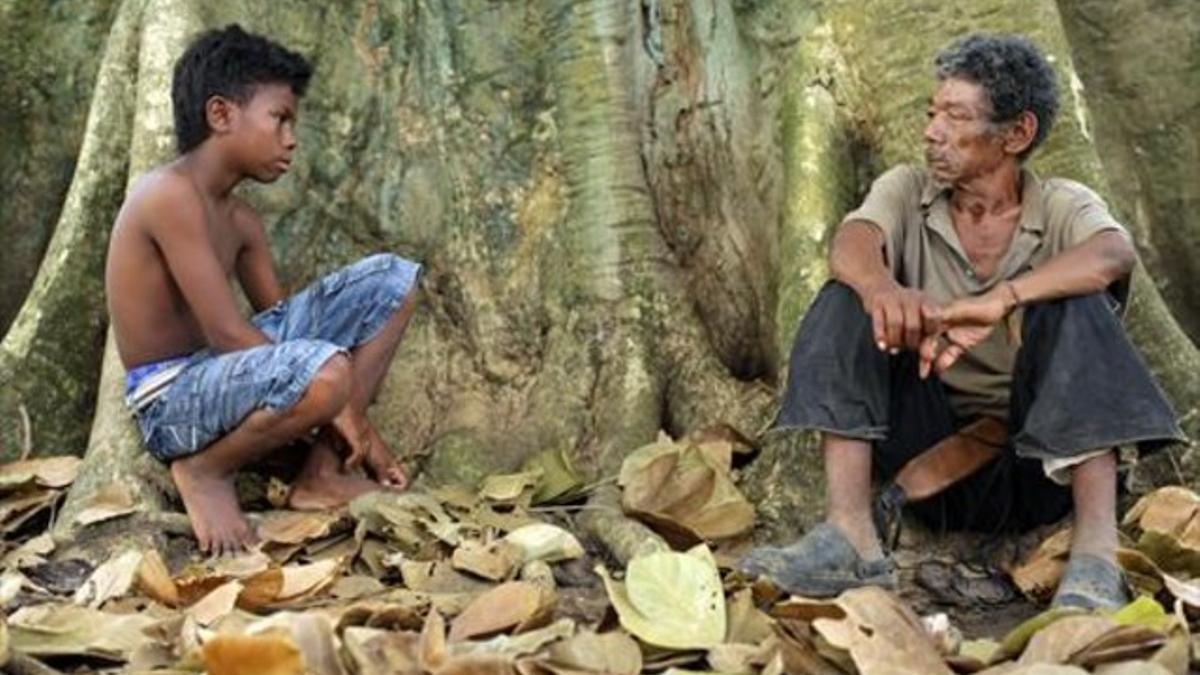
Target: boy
pixel 212 391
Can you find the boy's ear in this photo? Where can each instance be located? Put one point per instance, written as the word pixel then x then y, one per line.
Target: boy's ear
pixel 219 112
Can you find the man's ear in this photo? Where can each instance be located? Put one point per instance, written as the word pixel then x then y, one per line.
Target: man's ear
pixel 1020 133
pixel 220 112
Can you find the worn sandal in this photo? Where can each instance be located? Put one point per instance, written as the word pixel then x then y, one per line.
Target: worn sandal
pixel 1090 582
pixel 821 565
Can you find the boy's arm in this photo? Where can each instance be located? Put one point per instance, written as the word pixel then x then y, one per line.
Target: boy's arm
pixel 177 225
pixel 255 267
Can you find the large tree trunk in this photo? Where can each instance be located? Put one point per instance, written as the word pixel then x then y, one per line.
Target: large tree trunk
pixel 622 206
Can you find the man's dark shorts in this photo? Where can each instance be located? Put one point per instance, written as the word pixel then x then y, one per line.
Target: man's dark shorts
pixel 1078 386
pixel 212 393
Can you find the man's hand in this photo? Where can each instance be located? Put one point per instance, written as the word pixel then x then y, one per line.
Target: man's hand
pixel 965 323
pixel 902 317
pixel 354 432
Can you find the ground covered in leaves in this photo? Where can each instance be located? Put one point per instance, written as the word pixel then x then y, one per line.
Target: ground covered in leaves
pixel 493 580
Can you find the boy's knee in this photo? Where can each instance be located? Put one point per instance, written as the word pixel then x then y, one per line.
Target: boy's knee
pixel 330 388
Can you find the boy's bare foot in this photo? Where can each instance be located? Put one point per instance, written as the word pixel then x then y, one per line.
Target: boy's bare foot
pixel 212 506
pixel 327 490
pixel 383 463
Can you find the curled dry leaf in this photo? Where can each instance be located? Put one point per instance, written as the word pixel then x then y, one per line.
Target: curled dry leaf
pixel 543 541
pixel 154 580
pixel 684 491
pixel 1037 576
pixel 217 604
pixel 882 635
pixel 1063 639
pixel 380 652
pixel 517 605
pixel 494 561
pixel 47 472
pixel 111 501
pixel 112 579
pixel 296 527
pixel 509 487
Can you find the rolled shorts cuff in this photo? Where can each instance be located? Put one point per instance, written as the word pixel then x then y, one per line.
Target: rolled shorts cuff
pixel 287 397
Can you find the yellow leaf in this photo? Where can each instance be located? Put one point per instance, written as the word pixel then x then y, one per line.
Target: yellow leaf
pixel 672 600
pixel 154 580
pixel 252 655
pixel 111 501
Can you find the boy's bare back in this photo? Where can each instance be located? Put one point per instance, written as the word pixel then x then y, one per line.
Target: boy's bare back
pixel 171 256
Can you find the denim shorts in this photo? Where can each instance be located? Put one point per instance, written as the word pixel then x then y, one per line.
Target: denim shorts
pixel 213 392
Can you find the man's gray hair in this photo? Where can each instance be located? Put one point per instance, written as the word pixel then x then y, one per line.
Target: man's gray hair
pixel 1014 76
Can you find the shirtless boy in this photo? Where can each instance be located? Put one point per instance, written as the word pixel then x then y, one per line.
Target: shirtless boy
pixel 211 390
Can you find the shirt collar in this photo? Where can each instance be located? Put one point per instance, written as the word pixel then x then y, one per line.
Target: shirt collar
pixel 1033 218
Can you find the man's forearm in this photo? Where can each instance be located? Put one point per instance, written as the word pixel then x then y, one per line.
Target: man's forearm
pixel 1087 268
pixel 856 258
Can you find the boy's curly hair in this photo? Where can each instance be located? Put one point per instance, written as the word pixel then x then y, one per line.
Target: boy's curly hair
pixel 228 62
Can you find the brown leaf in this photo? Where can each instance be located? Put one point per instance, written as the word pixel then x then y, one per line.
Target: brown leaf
pixel 1037 576
pixel 216 604
pixel 69 630
pixel 494 561
pixel 516 604
pixel 48 472
pixel 684 490
pixel 439 577
pixel 614 652
pixel 747 624
pixel 355 587
pixel 432 644
pixel 111 501
pixel 296 527
pixel 252 655
pixel 112 579
pixel 154 580
pixel 378 652
pixel 882 635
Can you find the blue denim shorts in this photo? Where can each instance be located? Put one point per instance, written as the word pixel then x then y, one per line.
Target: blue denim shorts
pixel 213 392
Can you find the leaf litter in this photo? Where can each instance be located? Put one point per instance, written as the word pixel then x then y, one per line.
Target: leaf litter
pixel 455 581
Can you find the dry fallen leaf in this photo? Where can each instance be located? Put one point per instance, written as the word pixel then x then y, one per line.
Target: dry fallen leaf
pixel 112 579
pixel 1063 639
pixel 671 599
pixel 296 527
pixel 613 652
pixel 154 580
pixel 111 501
pixel 1037 576
pixel 216 604
pixel 684 490
pixel 514 605
pixel 47 472
pixel 882 635
pixel 380 652
pixel 509 487
pixel 543 541
pixel 494 561
pixel 252 655
pixel 70 630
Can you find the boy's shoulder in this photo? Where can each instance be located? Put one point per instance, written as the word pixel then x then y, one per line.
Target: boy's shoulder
pixel 161 191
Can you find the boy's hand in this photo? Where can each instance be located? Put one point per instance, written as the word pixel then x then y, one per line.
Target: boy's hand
pixel 355 433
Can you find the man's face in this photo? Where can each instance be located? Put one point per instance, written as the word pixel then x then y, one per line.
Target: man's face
pixel 264 132
pixel 961 143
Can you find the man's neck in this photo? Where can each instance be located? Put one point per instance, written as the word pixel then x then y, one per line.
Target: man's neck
pixel 214 176
pixel 997 192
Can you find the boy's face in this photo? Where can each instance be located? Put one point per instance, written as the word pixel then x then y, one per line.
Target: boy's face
pixel 263 132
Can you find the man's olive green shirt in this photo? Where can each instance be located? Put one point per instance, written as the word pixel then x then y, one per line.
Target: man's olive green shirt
pixel 923 251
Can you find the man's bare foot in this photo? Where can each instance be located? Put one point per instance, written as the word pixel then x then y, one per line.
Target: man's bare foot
pixel 212 506
pixel 327 490
pixel 383 463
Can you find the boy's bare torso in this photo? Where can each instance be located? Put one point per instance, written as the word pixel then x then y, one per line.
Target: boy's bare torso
pixel 151 317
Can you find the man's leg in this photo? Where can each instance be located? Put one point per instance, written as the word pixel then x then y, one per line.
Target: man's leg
pixel 1094 494
pixel 848 492
pixel 206 479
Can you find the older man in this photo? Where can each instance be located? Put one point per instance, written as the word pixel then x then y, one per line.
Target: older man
pixel 968 306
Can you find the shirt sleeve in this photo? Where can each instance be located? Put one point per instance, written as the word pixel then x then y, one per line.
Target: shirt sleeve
pixel 890 198
pixel 1081 216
